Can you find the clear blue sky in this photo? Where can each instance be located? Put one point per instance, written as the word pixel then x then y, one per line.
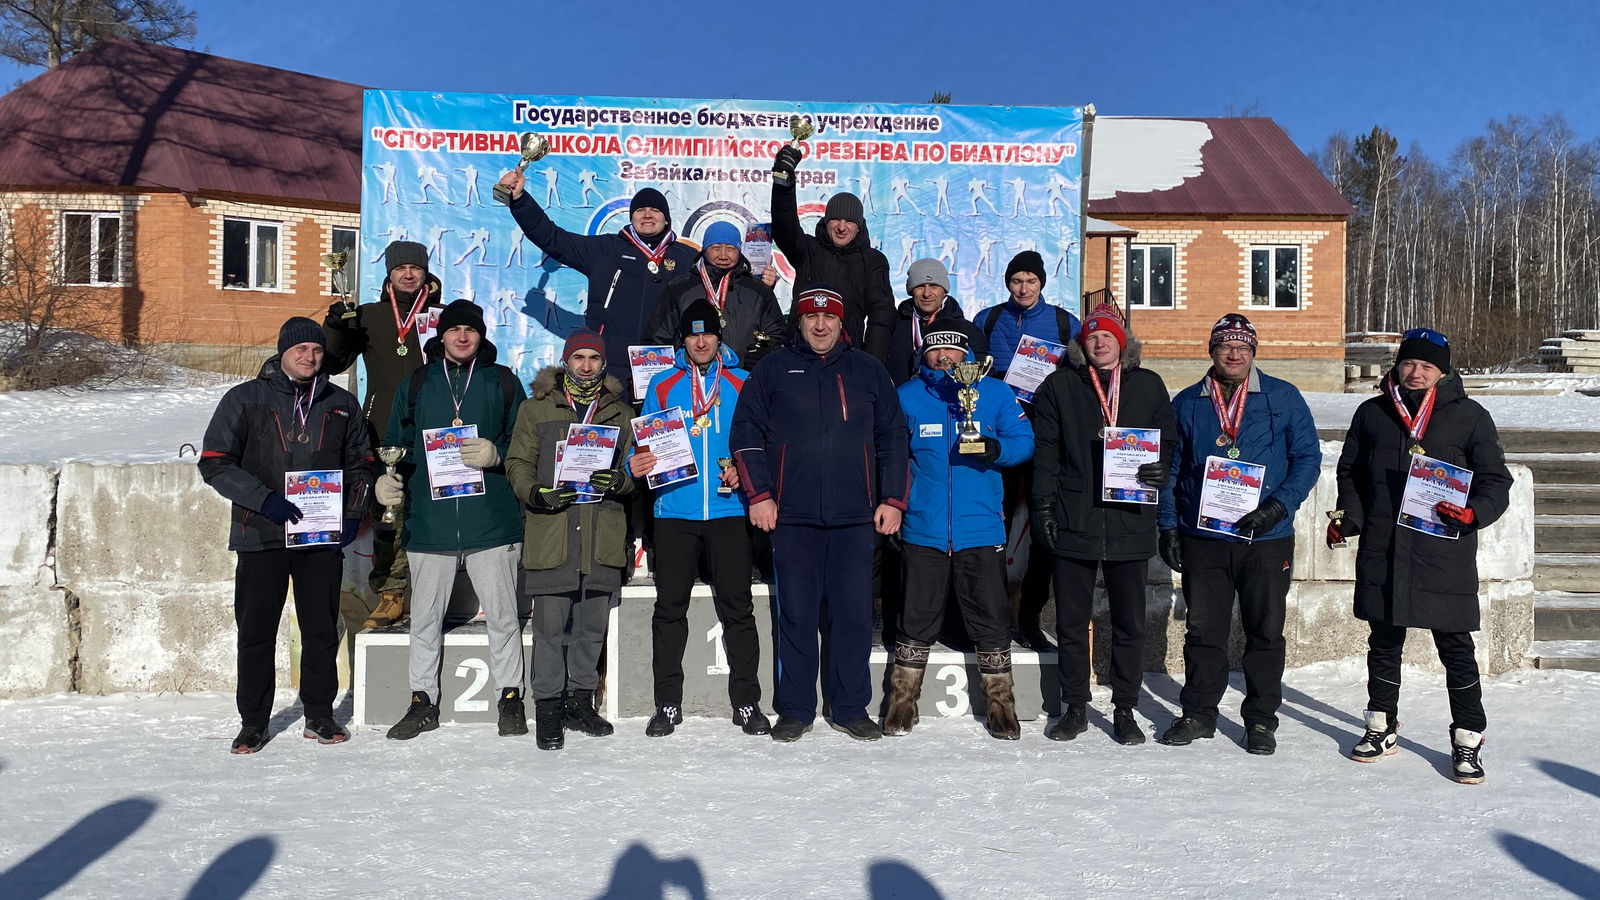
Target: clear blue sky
pixel 1430 71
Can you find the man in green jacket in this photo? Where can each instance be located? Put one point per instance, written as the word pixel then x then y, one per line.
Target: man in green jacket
pixel 574 553
pixel 456 416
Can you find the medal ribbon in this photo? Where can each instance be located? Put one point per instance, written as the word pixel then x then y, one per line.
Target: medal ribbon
pixel 1108 411
pixel 403 329
pixel 302 408
pixel 1418 426
pixel 656 255
pixel 588 415
pixel 702 399
pixel 916 327
pixel 1233 413
pixel 465 387
pixel 718 297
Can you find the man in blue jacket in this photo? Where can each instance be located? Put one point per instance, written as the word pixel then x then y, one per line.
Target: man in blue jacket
pixel 821 418
pixel 1236 412
pixel 702 518
pixel 1003 325
pixel 627 270
pixel 954 529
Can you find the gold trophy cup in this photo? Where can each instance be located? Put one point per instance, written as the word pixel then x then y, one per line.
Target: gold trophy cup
pixel 800 129
pixel 968 373
pixel 391 457
pixel 534 147
pixel 335 263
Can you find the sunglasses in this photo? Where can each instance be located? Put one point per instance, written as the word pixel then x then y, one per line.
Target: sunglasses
pixel 1427 334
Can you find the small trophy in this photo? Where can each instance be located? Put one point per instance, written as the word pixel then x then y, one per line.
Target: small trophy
pixel 1335 515
pixel 391 457
pixel 724 462
pixel 534 147
pixel 968 373
pixel 800 129
pixel 335 263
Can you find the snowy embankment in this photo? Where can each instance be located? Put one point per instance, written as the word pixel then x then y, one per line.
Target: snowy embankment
pixel 136 795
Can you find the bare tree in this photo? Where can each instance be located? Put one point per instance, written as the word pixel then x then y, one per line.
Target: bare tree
pixel 52 331
pixel 45 32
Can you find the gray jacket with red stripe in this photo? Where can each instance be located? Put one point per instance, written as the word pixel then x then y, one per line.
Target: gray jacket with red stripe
pixel 253 439
pixel 821 435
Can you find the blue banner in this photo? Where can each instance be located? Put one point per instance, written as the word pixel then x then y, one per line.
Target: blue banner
pixel 968 185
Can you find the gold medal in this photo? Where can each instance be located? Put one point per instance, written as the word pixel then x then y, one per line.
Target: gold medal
pixel 401 350
pixel 703 421
pixel 1416 450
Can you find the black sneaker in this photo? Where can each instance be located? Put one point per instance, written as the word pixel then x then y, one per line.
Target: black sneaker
pixel 789 730
pixel 1259 739
pixel 251 738
pixel 1381 739
pixel 1464 764
pixel 752 720
pixel 1072 724
pixel 581 715
pixel 862 729
pixel 665 719
pixel 1125 727
pixel 423 715
pixel 324 730
pixel 513 713
pixel 1186 730
pixel 547 721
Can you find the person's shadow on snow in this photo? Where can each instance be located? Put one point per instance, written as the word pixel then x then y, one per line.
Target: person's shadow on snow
pixel 641 875
pixel 50 867
pixel 1552 865
pixel 236 871
pixel 889 879
pixel 1571 776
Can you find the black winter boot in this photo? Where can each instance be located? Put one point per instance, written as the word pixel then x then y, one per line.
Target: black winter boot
pixel 1186 730
pixel 581 715
pixel 1126 727
pixel 752 720
pixel 513 714
pixel 547 716
pixel 664 721
pixel 1072 724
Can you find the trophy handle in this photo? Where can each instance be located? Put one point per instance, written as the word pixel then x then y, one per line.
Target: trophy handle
pixel 985 368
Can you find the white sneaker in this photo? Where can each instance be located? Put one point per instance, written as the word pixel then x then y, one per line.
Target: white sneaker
pixel 1382 738
pixel 1464 747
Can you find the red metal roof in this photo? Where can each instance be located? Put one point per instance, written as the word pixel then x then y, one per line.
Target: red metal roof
pixel 126 114
pixel 1248 167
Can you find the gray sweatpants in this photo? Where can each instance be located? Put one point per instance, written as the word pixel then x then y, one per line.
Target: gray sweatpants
pixel 575 667
pixel 493 571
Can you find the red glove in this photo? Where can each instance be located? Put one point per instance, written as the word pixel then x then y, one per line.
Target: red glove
pixel 1459 516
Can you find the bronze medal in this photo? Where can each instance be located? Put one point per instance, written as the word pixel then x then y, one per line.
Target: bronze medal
pixel 1223 440
pixel 455 423
pixel 305 438
pixel 694 431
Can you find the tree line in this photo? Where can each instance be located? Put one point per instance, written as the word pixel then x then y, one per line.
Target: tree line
pixel 1498 246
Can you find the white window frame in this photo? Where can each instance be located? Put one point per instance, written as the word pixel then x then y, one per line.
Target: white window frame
pixel 253 245
pixel 353 267
pixel 1127 280
pixel 1272 276
pixel 94 218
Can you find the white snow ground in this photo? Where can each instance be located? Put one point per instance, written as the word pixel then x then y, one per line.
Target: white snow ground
pixel 127 796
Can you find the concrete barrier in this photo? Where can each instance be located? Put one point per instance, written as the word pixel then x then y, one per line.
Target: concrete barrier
pixel 35 622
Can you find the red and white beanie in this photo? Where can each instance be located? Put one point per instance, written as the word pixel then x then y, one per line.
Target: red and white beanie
pixel 819 298
pixel 1103 318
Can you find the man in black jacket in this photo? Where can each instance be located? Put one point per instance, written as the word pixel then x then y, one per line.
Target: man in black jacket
pixel 822 418
pixel 750 318
pixel 929 301
pixel 840 254
pixel 1419 577
pixel 388 333
pixel 287 420
pixel 627 270
pixel 1105 388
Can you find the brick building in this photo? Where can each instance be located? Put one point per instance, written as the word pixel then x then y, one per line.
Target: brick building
pixel 1230 217
pixel 197 192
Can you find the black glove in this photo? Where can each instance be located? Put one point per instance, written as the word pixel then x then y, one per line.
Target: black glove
pixel 280 510
pixel 991 452
pixel 783 165
pixel 1155 474
pixel 1171 550
pixel 352 527
pixel 336 316
pixel 606 480
pixel 1044 525
pixel 552 499
pixel 1261 519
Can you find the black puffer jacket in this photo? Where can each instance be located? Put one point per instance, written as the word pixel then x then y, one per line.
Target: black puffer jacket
pixel 1405 577
pixel 1068 458
pixel 373 332
pixel 247 450
pixel 859 273
pixel 751 309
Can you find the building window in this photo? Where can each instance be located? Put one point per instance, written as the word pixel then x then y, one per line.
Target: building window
pixel 1275 277
pixel 91 248
pixel 344 241
pixel 250 254
pixel 1150 275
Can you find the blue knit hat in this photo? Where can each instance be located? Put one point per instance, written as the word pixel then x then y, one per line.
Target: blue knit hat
pixel 723 233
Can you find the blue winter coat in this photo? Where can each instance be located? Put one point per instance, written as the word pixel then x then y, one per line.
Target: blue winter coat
pixel 698 500
pixel 1040 320
pixel 821 435
pixel 1277 432
pixel 955 498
